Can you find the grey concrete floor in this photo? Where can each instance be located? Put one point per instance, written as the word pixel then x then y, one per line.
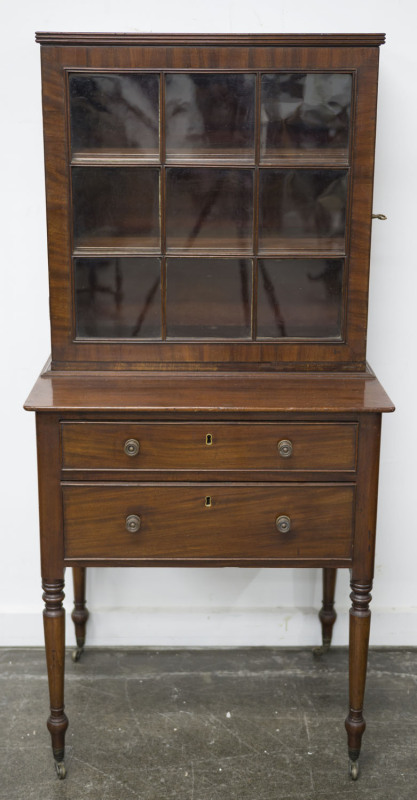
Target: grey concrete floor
pixel 244 724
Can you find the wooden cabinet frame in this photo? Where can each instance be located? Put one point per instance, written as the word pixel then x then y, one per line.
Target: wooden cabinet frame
pixel 98 399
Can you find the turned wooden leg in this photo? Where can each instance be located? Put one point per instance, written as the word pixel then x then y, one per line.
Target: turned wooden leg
pixel 327 614
pixel 54 627
pixel 79 615
pixel 360 618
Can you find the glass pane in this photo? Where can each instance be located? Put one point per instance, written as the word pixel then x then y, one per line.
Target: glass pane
pixel 305 112
pixel 300 297
pixel 209 209
pixel 118 297
pixel 209 298
pixel 115 207
pixel 210 116
pixel 302 210
pixel 114 114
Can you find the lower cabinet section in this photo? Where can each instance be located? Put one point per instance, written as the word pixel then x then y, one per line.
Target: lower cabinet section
pixel 208 521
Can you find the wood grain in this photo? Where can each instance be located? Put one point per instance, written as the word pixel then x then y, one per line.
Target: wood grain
pixel 235 446
pixel 239 523
pixel 225 393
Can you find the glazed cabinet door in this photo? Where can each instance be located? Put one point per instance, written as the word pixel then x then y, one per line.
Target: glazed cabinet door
pixel 215 204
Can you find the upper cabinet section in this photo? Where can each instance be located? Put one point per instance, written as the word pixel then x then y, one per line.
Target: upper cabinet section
pixel 209 199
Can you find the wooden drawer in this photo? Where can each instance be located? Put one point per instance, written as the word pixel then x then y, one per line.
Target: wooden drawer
pixel 209 446
pixel 179 521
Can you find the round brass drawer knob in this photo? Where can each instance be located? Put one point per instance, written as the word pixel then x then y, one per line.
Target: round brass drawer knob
pixel 131 447
pixel 285 448
pixel 283 524
pixel 132 523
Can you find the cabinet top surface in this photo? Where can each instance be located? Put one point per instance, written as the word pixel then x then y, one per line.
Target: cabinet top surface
pixel 273 39
pixel 210 392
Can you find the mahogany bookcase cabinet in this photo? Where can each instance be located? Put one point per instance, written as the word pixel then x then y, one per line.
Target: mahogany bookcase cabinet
pixel 208 400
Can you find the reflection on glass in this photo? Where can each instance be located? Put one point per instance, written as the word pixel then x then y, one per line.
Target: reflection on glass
pixel 209 209
pixel 210 115
pixel 300 298
pixel 114 113
pixel 305 112
pixel 118 298
pixel 302 209
pixel 209 298
pixel 115 207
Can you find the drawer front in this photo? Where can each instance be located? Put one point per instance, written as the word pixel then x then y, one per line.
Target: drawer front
pixel 208 521
pixel 209 446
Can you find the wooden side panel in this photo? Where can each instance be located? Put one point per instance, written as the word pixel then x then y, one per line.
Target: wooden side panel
pixel 57 196
pixel 50 500
pixel 361 206
pixel 367 499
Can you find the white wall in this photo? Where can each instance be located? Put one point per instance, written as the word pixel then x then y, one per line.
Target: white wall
pixel 230 606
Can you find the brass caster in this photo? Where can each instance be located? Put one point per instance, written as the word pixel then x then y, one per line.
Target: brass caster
pixel 76 654
pixel 60 770
pixel 354 770
pixel 322 650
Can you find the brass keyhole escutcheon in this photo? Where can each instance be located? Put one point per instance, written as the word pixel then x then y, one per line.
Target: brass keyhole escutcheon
pixel 207 501
pixel 209 438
